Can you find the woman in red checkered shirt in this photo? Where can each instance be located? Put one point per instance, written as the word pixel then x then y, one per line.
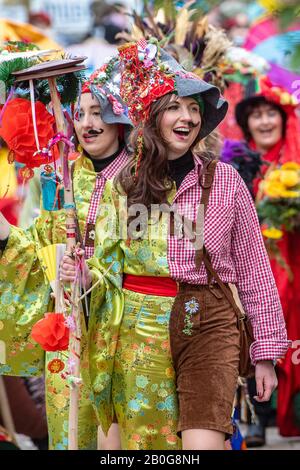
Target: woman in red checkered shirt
pixel 175 316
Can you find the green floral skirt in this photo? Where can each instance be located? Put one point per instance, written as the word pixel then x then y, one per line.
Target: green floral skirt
pixel 57 403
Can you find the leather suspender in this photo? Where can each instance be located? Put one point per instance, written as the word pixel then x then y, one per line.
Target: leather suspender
pixel 206 181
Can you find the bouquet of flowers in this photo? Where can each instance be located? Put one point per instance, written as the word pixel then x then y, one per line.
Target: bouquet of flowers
pixel 279 207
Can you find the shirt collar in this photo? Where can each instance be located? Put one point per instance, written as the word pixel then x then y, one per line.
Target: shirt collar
pixel 111 169
pixel 198 163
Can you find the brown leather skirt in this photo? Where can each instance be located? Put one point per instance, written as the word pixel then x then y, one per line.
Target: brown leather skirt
pixel 205 347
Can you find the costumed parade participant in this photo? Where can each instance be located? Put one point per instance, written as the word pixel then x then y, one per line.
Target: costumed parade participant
pixel 200 48
pixel 267 117
pixel 175 331
pixel 101 126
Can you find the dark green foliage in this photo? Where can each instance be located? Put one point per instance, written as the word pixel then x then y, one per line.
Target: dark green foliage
pixel 67 85
pixel 10 66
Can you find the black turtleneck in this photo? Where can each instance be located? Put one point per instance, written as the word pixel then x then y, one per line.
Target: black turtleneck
pixel 3 244
pixel 179 168
pixel 101 164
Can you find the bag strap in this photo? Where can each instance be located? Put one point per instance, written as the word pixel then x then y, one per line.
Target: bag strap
pixel 225 289
pixel 206 179
pixel 206 182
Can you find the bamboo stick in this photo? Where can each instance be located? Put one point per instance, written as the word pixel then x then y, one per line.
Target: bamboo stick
pixel 74 343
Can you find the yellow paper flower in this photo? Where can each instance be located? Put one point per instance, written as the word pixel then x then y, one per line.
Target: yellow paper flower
pixel 290 166
pixel 285 98
pixel 273 233
pixel 289 178
pixel 273 188
pixel 271 5
pixel 290 194
pixel 294 101
pixel 274 175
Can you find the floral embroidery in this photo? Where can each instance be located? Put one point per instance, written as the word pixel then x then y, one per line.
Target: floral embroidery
pixel 55 366
pixel 191 307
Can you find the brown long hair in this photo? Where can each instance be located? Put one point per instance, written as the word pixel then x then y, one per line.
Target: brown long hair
pixel 153 181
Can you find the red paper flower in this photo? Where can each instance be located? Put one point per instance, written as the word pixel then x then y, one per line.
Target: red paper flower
pixel 141 85
pixel 17 131
pixel 55 366
pixel 277 94
pixel 51 333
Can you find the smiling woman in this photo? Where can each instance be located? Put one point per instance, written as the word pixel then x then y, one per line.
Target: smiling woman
pixel 97 138
pixel 265 124
pixel 180 125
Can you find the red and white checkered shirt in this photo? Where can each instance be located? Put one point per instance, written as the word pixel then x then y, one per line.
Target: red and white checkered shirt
pixel 108 173
pixel 233 238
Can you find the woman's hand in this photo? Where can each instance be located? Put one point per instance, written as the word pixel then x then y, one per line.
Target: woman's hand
pixel 266 380
pixel 4 227
pixel 68 272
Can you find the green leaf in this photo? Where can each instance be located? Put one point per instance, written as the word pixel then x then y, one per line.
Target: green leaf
pixel 8 67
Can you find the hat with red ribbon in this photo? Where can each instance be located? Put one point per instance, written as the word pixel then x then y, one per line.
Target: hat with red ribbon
pixel 149 73
pixel 262 90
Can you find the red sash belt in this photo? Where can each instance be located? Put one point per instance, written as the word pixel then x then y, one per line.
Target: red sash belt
pixel 151 285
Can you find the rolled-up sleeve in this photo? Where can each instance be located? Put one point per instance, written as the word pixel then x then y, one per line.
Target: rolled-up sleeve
pixel 255 281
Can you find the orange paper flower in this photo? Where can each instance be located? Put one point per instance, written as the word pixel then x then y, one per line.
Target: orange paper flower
pixel 51 333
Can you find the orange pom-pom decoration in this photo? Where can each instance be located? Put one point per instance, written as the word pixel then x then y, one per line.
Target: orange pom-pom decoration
pixel 55 366
pixel 17 130
pixel 51 333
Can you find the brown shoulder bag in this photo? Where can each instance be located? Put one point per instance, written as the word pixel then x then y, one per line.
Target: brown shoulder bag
pixel 246 369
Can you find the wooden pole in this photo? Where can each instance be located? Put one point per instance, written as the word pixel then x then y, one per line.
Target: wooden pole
pixel 74 344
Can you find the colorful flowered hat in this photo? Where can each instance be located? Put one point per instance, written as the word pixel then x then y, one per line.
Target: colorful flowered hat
pixel 104 84
pixel 149 73
pixel 263 88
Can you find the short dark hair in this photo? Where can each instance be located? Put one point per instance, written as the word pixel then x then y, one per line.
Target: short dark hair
pixel 243 120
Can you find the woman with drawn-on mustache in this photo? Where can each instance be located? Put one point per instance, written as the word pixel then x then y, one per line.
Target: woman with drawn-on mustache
pixel 170 354
pixel 101 127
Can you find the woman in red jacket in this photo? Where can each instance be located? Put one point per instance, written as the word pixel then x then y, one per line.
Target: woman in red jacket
pixel 270 125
